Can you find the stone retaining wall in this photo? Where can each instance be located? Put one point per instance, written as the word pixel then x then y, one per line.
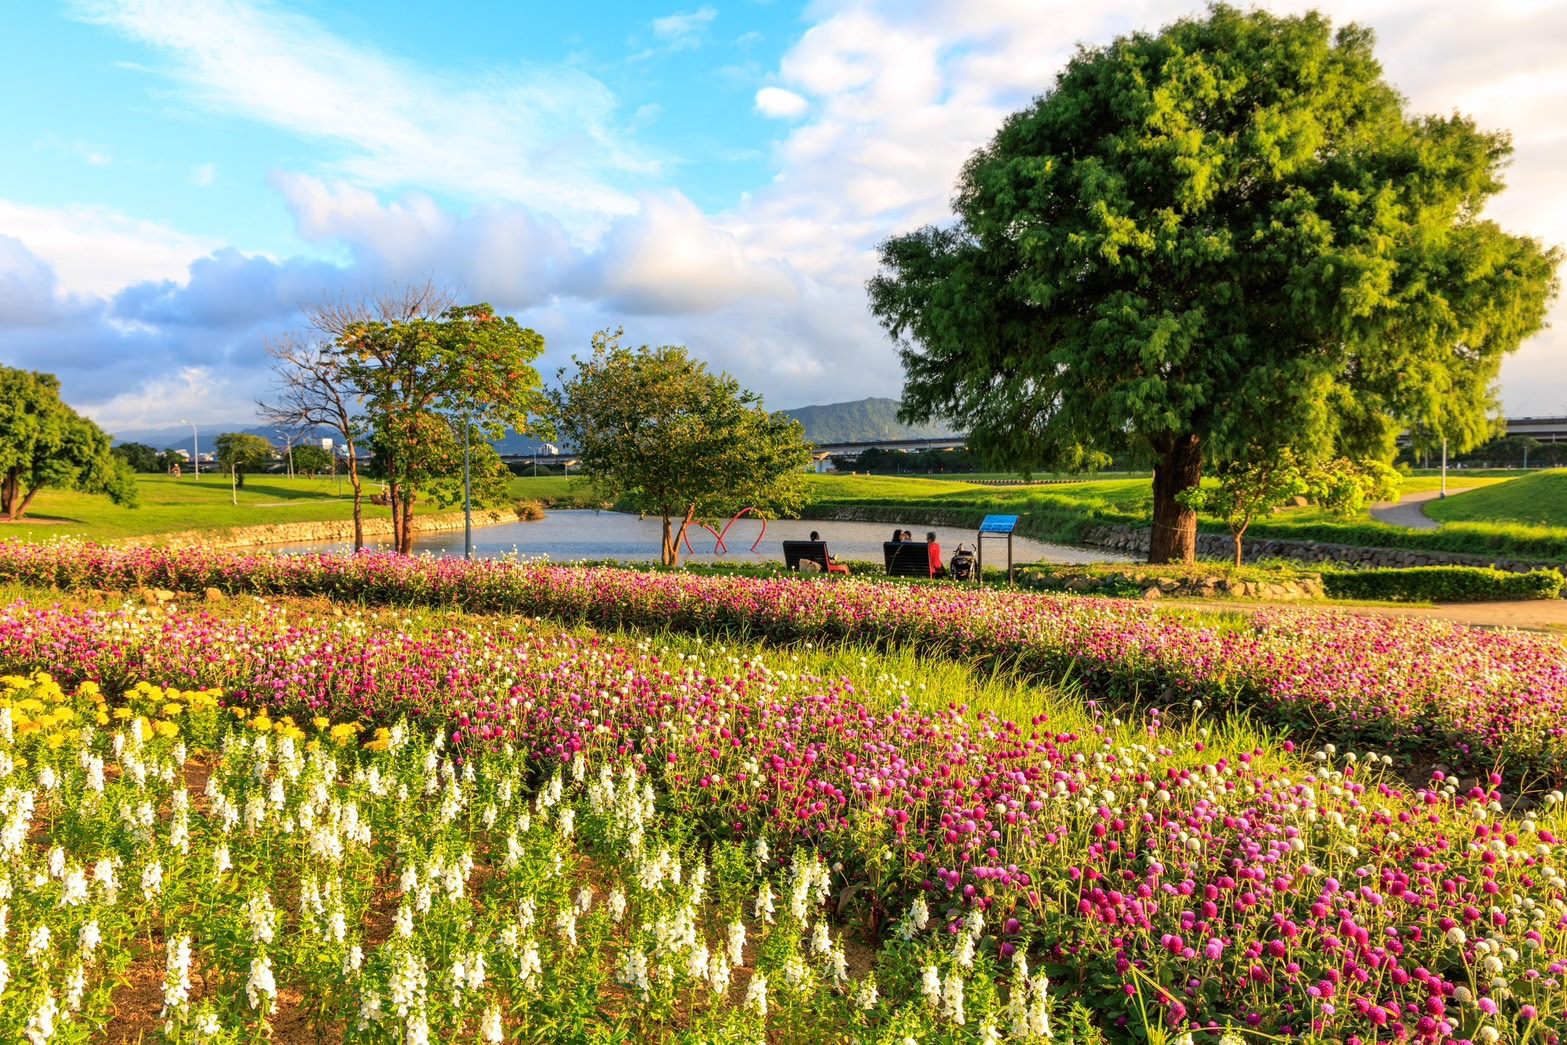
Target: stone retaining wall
pixel 1134 541
pixel 322 532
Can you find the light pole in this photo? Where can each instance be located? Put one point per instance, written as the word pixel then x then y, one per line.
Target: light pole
pixel 288 448
pixel 467 496
pixel 195 448
pixel 1444 466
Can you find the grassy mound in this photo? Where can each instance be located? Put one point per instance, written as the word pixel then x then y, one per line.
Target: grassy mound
pixel 1533 500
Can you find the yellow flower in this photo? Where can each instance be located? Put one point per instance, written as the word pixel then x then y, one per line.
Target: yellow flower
pixel 171 710
pixel 122 713
pixel 103 718
pixel 239 712
pixel 291 731
pixel 56 741
pixel 344 732
pixel 321 722
pixel 167 729
pixel 261 723
pixel 89 689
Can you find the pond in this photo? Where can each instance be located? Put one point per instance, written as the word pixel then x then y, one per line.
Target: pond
pixel 575 534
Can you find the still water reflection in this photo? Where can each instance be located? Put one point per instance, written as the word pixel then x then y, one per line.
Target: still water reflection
pixel 575 534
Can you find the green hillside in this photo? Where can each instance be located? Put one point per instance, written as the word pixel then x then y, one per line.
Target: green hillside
pixel 1534 500
pixel 861 421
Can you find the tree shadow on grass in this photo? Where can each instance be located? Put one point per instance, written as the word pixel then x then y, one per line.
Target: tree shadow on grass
pixel 290 493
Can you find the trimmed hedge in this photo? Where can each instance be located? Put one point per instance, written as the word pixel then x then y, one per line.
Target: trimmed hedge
pixel 1442 584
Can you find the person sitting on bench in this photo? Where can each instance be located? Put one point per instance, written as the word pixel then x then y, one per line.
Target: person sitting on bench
pixel 833 565
pixel 934 550
pixel 810 557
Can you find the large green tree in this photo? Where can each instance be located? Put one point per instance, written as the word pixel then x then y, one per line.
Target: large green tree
pixel 44 444
pixel 421 380
pixel 1227 233
pixel 243 451
pixel 653 427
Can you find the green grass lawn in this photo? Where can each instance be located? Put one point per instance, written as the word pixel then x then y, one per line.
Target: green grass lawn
pixel 169 505
pixel 1539 499
pixel 1061 512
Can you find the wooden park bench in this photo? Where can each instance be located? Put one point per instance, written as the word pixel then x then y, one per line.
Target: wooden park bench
pixel 907 559
pixel 796 552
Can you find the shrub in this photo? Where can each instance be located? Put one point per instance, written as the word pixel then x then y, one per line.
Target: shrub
pixel 1442 584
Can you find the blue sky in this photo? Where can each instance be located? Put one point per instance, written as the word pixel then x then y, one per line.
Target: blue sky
pixel 183 175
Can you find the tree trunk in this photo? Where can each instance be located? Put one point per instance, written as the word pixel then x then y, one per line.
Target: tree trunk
pixel 394 497
pixel 405 543
pixel 8 488
pixel 1179 468
pixel 359 511
pixel 673 537
pixel 20 510
pixel 1238 535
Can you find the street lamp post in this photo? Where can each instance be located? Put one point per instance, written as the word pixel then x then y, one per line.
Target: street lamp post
pixel 195 448
pixel 288 448
pixel 1444 466
pixel 467 496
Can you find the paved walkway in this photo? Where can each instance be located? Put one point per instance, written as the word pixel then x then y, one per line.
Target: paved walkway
pixel 1409 511
pixel 1548 615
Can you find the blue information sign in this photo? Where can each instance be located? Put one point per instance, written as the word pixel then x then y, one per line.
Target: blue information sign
pixel 998 524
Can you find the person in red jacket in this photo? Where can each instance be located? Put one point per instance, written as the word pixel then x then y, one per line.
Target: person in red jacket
pixel 934 549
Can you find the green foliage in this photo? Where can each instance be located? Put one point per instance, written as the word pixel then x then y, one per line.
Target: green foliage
pixel 139 457
pixel 310 459
pixel 243 451
pixel 1533 500
pixel 422 379
pixel 1264 478
pixel 654 429
pixel 1225 232
pixel 1442 584
pixel 45 444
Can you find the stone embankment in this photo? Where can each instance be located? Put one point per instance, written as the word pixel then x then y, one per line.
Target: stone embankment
pixel 1134 540
pixel 324 532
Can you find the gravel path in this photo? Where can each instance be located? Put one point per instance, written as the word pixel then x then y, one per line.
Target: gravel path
pixel 1409 511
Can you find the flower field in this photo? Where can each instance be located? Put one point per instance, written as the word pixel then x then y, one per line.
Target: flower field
pixel 441 792
pixel 1476 700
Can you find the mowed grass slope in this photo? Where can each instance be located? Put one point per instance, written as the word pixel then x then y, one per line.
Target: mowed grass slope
pixel 1063 511
pixel 1532 500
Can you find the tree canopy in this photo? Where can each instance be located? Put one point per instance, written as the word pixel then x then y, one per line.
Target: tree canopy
pixel 45 444
pixel 1225 234
pixel 421 380
pixel 243 451
pixel 653 427
pixel 139 456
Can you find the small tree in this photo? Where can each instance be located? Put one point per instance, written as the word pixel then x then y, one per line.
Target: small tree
pixel 138 456
pixel 422 380
pixel 242 451
pixel 311 460
pixel 1264 480
pixel 653 427
pixel 45 444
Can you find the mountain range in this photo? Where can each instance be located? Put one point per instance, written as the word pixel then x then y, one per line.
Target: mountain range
pixel 861 420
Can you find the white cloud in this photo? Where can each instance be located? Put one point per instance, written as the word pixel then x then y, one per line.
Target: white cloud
pixel 204 175
pixel 95 250
pixel 684 29
pixel 775 101
pixel 571 230
pixel 544 134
